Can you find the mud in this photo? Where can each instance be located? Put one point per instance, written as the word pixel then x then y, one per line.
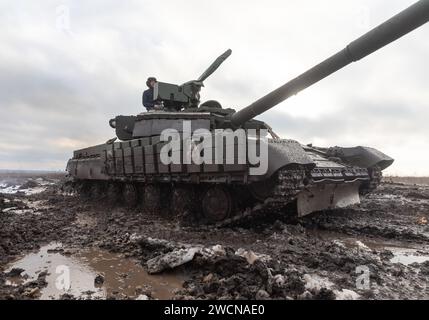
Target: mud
pixel 89 274
pixel 377 250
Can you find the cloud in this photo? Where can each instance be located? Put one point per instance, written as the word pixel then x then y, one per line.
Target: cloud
pixel 67 67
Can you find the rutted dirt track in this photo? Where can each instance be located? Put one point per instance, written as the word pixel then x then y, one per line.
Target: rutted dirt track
pixel 378 250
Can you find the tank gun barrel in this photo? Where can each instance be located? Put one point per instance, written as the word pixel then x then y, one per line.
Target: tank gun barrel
pixel 404 22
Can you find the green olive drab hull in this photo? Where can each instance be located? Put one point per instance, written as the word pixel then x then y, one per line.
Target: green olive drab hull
pixel 155 158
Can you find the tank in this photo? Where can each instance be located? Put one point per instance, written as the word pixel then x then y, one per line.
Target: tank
pixel 209 164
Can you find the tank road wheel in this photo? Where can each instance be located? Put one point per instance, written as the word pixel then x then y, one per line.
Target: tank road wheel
pixel 217 204
pixel 113 193
pixel 184 203
pixel 130 195
pixel 180 201
pixel 140 194
pixel 151 198
pixel 84 189
pixel 97 190
pixel 165 198
pixel 263 189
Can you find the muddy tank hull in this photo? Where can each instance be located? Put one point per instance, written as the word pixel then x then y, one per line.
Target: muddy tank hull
pixel 305 178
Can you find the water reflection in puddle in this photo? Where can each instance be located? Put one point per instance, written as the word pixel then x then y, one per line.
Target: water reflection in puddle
pixel 77 272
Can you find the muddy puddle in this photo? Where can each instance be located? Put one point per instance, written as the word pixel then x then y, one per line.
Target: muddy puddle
pixel 78 273
pixel 402 253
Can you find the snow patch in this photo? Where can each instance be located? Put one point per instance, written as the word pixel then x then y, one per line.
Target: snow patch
pixel 346 294
pixel 315 283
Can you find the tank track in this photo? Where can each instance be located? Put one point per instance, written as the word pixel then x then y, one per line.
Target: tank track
pixel 288 184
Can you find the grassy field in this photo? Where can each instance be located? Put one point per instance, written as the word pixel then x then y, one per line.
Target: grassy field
pixel 408 180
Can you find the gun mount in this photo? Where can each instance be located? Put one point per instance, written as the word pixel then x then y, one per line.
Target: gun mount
pixel 187 95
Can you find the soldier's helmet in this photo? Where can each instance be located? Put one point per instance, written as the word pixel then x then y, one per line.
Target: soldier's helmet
pixel 149 80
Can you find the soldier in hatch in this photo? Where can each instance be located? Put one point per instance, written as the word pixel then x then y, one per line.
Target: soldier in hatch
pixel 148 101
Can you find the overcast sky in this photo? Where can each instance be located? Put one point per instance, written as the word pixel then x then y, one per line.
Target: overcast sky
pixel 67 67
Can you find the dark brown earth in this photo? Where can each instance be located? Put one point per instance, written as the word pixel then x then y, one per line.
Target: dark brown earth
pixel 323 256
